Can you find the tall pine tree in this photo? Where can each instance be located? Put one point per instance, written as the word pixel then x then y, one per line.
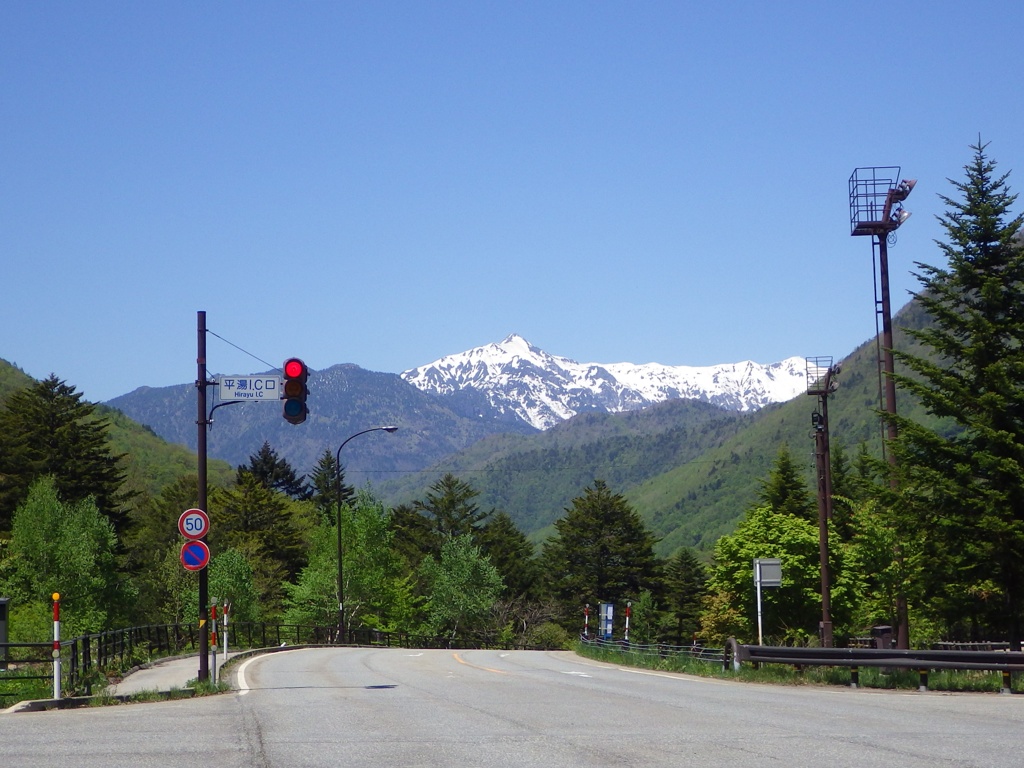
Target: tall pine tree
pixel 602 553
pixel 965 486
pixel 48 429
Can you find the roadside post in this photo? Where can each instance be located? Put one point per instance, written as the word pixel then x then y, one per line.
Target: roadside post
pixel 56 645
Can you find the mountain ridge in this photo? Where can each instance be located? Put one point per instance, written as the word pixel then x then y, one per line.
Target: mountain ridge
pixel 517 378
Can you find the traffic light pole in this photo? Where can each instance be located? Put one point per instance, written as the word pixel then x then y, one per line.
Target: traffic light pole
pixel 201 420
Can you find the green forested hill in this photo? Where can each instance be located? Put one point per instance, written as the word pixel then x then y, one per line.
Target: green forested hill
pixel 12 378
pixel 695 503
pixel 151 462
pixel 535 477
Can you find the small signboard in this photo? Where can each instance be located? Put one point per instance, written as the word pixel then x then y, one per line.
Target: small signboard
pixel 607 615
pixel 233 389
pixel 195 555
pixel 768 571
pixel 193 524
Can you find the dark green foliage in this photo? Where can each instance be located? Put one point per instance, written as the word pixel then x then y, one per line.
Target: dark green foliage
pixel 450 507
pixel 413 537
pixel 513 556
pixel 965 486
pixel 47 429
pixel 275 473
pixel 785 490
pixel 685 587
pixel 602 553
pixel 324 486
pixel 266 527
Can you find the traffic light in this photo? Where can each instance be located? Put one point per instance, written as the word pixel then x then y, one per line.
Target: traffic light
pixel 295 390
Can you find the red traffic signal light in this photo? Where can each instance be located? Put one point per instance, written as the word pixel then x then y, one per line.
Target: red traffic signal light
pixel 295 391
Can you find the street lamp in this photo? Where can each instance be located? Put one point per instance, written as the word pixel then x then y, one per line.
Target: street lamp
pixel 876 210
pixel 337 491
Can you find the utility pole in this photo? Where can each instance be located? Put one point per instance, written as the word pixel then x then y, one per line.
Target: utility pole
pixel 201 421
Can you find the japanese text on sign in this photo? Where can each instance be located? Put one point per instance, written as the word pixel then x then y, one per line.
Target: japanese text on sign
pixel 249 388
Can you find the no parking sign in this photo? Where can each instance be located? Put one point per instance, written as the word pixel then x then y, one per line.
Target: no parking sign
pixel 195 555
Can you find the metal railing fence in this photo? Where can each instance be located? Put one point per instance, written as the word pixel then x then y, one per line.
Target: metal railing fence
pixel 923 661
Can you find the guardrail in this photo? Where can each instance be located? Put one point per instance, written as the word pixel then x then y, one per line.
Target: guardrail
pixel 656 650
pixel 1005 662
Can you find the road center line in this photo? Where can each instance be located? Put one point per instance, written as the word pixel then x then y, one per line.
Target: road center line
pixel 476 666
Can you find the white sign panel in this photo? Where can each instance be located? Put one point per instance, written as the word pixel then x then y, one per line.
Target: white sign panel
pixel 235 388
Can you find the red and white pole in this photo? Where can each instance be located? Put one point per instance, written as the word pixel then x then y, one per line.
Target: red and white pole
pixel 56 645
pixel 586 621
pixel 213 641
pixel 224 627
pixel 629 610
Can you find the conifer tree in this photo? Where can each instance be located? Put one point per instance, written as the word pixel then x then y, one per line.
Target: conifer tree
pixel 965 486
pixel 512 554
pixel 324 486
pixel 275 473
pixel 48 429
pixel 685 587
pixel 450 508
pixel 786 491
pixel 602 553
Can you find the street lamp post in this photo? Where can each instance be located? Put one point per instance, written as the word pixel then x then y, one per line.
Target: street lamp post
pixel 876 210
pixel 337 491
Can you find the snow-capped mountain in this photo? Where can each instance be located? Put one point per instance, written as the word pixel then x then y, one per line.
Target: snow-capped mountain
pixel 517 378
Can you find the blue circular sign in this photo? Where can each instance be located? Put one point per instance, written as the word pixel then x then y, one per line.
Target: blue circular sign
pixel 195 555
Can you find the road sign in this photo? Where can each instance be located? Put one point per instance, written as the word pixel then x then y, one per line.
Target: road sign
pixel 193 524
pixel 195 555
pixel 235 389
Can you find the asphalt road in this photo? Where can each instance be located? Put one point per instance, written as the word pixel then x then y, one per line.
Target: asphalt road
pixel 396 707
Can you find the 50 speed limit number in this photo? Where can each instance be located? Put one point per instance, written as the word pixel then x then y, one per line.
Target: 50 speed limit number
pixel 193 524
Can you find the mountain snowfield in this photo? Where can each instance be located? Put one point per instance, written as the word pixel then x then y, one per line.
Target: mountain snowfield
pixel 544 390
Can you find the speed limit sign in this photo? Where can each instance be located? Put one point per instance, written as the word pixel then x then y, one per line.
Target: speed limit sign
pixel 193 524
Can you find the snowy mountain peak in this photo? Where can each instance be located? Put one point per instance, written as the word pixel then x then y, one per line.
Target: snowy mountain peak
pixel 517 378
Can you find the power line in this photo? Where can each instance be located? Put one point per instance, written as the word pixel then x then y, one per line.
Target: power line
pixel 244 351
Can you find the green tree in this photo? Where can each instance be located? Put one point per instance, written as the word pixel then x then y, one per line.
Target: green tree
pixel 324 486
pixel 791 611
pixel 886 560
pixel 512 554
pixel 602 553
pixel 785 489
pixel 267 527
pixel 965 486
pixel 450 507
pixel 231 581
pixel 462 587
pixel 413 537
pixel 377 590
pixel 313 598
pixel 685 587
pixel 47 429
pixel 275 473
pixel 67 548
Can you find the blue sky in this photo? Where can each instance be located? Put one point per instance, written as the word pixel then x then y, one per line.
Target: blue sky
pixel 385 183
